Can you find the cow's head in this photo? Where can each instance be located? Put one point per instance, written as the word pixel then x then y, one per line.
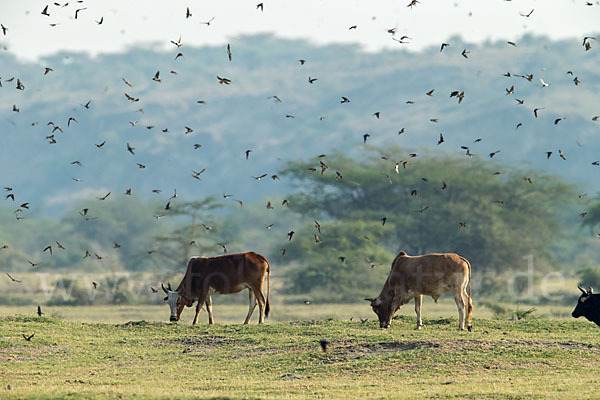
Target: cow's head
pixel 176 301
pixel 584 307
pixel 383 309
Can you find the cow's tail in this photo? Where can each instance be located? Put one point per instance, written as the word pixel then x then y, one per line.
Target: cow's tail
pixel 469 303
pixel 268 305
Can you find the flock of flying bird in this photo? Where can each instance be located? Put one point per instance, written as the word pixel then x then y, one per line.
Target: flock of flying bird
pixel 55 129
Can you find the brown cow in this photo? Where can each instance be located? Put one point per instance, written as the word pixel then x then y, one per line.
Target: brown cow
pixel 433 275
pixel 224 275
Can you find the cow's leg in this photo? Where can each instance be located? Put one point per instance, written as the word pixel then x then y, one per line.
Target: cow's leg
pixel 418 302
pixel 261 305
pixel 460 303
pixel 251 305
pixel 469 304
pixel 208 304
pixel 198 308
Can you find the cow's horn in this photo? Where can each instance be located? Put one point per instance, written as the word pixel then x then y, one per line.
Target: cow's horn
pixel 582 289
pixel 590 290
pixel 167 292
pixel 369 299
pixel 169 285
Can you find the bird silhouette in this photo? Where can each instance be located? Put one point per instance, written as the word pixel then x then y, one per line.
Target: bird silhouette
pixel 323 342
pixel 13 279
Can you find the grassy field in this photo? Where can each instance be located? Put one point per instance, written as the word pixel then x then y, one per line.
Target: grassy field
pixel 538 358
pixel 235 313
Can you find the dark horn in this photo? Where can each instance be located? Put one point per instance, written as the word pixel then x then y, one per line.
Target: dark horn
pixel 163 288
pixel 582 289
pixel 369 299
pixel 169 286
pixel 590 290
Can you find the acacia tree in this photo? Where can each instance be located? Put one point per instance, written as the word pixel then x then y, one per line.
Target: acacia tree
pixel 490 213
pixel 196 231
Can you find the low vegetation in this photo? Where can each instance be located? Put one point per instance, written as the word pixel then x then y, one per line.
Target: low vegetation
pixel 500 359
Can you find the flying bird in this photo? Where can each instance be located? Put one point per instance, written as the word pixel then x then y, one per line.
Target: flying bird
pixel 13 279
pixel 527 15
pixel 561 154
pixel 207 22
pixel 79 9
pixel 28 338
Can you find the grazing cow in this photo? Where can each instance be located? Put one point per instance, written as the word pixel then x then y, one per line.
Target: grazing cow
pixel 588 306
pixel 224 275
pixel 433 275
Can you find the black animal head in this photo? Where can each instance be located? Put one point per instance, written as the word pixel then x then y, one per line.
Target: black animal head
pixel 588 306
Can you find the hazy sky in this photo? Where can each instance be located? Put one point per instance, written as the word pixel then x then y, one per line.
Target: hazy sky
pixel 132 22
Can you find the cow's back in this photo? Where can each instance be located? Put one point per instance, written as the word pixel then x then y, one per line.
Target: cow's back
pixel 428 274
pixel 224 274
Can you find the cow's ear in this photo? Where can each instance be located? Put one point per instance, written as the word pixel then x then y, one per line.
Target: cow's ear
pixel 166 298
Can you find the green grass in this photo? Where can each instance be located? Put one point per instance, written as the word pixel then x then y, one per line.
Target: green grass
pixel 235 313
pixel 536 358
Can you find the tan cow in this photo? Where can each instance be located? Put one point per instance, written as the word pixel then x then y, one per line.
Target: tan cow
pixel 433 275
pixel 224 275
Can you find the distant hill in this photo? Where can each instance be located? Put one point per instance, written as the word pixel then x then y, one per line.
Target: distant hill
pixel 309 120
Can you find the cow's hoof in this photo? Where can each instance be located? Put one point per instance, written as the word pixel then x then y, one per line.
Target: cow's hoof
pixel 470 328
pixel 419 327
